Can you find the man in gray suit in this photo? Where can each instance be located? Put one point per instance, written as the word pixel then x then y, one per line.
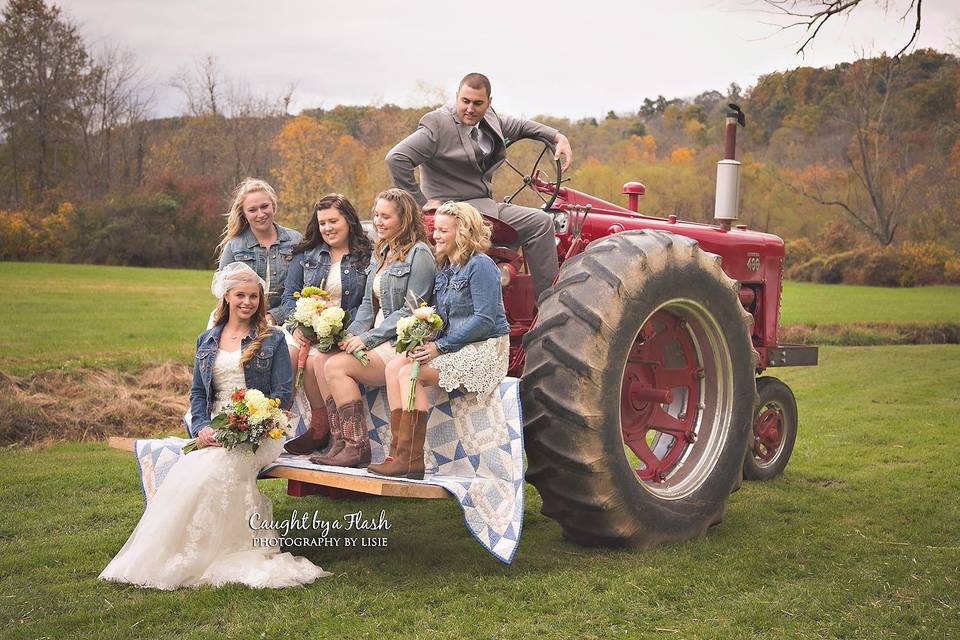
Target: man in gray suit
pixel 459 148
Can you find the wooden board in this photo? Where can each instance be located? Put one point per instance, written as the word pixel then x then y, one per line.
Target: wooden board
pixel 363 484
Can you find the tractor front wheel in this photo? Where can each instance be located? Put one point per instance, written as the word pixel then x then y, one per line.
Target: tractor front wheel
pixel 774 431
pixel 638 392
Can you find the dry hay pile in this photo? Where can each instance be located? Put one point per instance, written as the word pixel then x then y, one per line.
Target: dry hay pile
pixel 91 404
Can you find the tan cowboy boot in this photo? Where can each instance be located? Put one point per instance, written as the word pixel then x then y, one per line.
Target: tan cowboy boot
pixel 408 462
pixel 400 435
pixel 394 433
pixel 356 448
pixel 314 438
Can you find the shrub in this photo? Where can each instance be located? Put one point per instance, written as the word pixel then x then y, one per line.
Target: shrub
pixel 798 251
pixel 923 263
pixel 951 270
pixel 836 267
pixel 879 267
pixel 172 223
pixel 809 271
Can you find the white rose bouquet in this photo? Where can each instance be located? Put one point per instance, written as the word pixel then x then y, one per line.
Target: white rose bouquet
pixel 321 323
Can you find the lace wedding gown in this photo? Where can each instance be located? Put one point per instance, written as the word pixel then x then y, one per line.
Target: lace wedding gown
pixel 195 531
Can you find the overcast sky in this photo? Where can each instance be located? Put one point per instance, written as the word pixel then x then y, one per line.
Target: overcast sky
pixel 571 58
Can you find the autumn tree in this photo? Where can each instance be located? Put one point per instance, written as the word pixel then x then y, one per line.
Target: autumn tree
pixel 315 158
pixel 226 130
pixel 44 68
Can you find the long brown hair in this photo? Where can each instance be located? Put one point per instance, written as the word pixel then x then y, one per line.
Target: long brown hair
pixel 236 221
pixel 259 320
pixel 411 231
pixel 359 243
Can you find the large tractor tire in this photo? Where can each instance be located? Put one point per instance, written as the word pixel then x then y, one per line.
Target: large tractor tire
pixel 774 431
pixel 638 392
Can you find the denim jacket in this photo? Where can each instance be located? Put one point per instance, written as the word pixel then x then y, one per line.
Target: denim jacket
pixel 246 248
pixel 269 371
pixel 415 274
pixel 311 268
pixel 470 301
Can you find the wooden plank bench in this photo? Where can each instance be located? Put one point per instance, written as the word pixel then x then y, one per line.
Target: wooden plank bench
pixel 303 482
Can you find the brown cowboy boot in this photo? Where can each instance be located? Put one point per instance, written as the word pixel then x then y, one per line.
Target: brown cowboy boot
pixel 408 462
pixel 314 438
pixel 356 448
pixel 336 435
pixel 394 433
pixel 400 434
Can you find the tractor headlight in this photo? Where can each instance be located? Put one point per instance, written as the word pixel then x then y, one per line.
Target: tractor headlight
pixel 504 276
pixel 560 222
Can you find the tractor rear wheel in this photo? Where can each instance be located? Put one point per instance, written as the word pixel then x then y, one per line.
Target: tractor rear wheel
pixel 774 431
pixel 638 392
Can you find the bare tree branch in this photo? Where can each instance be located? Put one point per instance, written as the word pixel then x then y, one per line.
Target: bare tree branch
pixel 811 15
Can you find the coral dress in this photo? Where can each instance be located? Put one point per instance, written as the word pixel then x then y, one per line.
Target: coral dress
pixel 196 529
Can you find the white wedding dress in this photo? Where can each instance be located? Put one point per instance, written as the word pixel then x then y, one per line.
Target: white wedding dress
pixel 195 531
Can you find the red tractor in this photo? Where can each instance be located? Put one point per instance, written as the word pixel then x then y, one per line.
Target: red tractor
pixel 640 400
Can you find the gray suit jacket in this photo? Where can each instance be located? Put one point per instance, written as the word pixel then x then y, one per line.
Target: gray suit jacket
pixel 449 170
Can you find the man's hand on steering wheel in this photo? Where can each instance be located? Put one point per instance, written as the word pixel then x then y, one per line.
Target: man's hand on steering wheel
pixel 563 151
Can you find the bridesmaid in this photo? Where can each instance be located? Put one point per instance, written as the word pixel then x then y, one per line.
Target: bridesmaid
pixel 251 236
pixel 402 265
pixel 473 348
pixel 334 255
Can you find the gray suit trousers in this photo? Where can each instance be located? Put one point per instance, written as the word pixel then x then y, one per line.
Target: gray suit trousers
pixel 536 232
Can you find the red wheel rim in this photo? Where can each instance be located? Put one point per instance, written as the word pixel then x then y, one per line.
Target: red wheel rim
pixel 659 396
pixel 768 431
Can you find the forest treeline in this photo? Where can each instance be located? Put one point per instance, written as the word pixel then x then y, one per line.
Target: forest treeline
pixel 857 166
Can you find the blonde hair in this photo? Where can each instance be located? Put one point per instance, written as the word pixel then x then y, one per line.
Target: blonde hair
pixel 473 232
pixel 411 231
pixel 259 320
pixel 236 221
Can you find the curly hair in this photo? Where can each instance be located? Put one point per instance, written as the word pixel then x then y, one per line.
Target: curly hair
pixel 473 232
pixel 236 221
pixel 359 243
pixel 411 231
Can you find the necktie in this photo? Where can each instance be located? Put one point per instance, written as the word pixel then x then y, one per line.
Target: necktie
pixel 474 139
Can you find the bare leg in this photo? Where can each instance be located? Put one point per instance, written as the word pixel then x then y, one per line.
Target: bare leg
pixel 392 374
pixel 343 374
pixel 294 354
pixel 429 377
pixel 310 386
pixel 319 362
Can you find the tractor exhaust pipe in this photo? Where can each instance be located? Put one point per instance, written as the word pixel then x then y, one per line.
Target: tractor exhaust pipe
pixel 727 205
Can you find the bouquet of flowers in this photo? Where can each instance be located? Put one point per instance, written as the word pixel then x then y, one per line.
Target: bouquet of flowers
pixel 320 323
pixel 413 331
pixel 250 417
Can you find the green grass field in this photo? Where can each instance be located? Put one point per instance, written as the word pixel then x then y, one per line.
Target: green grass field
pixel 81 315
pixel 818 304
pixel 857 540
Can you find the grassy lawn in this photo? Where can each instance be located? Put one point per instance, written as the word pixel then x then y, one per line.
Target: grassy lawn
pixel 82 315
pixel 857 540
pixel 817 304
pixel 85 315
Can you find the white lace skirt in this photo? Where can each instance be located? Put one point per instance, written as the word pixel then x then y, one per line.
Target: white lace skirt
pixel 478 367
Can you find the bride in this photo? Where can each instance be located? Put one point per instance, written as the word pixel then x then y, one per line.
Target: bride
pixel 196 529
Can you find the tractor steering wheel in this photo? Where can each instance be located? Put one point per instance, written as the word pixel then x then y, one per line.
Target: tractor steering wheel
pixel 533 179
